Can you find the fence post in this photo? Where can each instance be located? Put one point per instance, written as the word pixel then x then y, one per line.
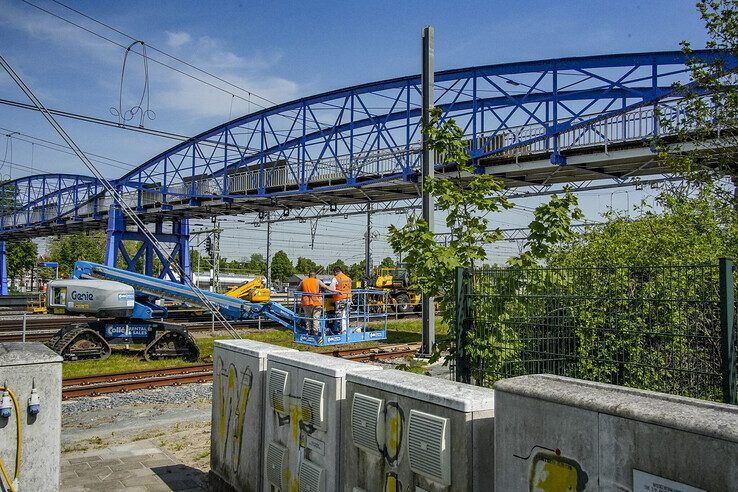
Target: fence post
pixel 461 287
pixel 727 331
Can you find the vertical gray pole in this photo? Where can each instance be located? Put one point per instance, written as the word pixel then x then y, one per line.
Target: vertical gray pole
pixel 429 312
pixel 269 252
pixel 727 331
pixel 216 257
pixel 368 243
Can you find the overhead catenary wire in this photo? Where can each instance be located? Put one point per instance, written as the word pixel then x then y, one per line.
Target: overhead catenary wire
pixel 248 99
pixel 57 147
pixel 131 215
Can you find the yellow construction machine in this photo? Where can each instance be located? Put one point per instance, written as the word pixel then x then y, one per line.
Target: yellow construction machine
pixel 397 284
pixel 252 291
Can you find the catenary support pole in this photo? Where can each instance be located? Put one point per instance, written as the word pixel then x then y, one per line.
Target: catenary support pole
pixel 429 312
pixel 368 243
pixel 3 270
pixel 269 253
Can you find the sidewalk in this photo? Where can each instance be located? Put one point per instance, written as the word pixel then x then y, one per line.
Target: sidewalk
pixel 139 466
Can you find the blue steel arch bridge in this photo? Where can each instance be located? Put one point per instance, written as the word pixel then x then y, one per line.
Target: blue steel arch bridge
pixel 532 124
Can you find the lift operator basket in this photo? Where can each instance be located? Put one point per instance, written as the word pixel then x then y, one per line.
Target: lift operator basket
pixel 326 322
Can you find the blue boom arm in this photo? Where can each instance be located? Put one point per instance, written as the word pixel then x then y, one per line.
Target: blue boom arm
pixel 231 308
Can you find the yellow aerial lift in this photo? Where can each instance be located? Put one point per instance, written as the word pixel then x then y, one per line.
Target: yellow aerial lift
pixel 252 291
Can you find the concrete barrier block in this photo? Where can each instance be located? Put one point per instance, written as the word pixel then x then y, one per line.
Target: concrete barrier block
pixel 236 442
pixel 569 434
pixel 21 366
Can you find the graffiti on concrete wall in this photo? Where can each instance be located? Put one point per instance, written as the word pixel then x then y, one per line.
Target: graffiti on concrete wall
pixel 232 392
pixel 550 471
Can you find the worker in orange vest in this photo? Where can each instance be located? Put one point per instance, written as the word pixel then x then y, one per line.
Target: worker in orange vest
pixel 312 301
pixel 341 284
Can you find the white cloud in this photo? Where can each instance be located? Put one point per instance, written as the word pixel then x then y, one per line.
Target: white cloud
pixel 177 39
pixel 176 92
pixel 42 26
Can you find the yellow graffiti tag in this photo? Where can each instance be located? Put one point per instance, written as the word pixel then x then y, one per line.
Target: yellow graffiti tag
pixel 551 475
pixel 393 438
pixel 242 401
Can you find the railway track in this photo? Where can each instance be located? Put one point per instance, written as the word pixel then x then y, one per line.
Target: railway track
pixel 101 384
pixel 127 381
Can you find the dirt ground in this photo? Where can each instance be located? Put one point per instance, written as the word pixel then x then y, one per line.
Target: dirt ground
pixel 181 427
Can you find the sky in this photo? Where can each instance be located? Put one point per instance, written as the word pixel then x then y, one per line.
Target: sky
pixel 280 51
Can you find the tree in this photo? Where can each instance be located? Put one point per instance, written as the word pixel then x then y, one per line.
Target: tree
pixel 550 227
pixel 338 263
pixel 282 268
pixel 306 265
pixel 357 270
pixel 691 231
pixel 703 145
pixel 21 257
pixel 387 263
pixel 467 197
pixel 70 248
pixel 256 264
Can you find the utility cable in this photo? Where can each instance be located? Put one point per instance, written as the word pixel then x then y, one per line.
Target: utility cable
pixel 118 198
pixel 51 145
pixel 18 437
pixel 247 100
pixel 99 121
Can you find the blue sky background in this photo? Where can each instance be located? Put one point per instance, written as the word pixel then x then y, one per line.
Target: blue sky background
pixel 281 51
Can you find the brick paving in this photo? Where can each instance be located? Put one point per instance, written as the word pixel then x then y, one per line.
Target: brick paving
pixel 137 466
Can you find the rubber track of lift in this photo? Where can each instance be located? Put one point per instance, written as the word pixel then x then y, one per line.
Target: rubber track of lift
pixel 192 353
pixel 67 336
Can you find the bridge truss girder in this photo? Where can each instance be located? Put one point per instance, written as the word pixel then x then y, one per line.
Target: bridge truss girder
pixel 526 122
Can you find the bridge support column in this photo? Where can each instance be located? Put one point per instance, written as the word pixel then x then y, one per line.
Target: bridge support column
pixel 3 271
pixel 133 251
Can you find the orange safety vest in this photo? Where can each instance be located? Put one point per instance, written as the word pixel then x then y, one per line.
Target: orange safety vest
pixel 310 285
pixel 343 286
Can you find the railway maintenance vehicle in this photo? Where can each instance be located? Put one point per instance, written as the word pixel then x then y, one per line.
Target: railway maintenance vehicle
pixel 124 305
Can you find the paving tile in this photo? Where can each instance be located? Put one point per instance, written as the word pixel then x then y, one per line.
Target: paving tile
pixel 95 471
pixel 127 465
pixel 79 481
pixel 124 474
pixel 84 459
pixel 142 457
pixel 108 462
pixel 84 465
pixel 142 481
pixel 158 463
pixel 68 474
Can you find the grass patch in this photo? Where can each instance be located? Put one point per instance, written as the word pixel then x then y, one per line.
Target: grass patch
pixel 398 331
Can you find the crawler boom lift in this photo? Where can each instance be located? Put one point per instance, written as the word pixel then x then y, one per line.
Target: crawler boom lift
pixel 126 302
